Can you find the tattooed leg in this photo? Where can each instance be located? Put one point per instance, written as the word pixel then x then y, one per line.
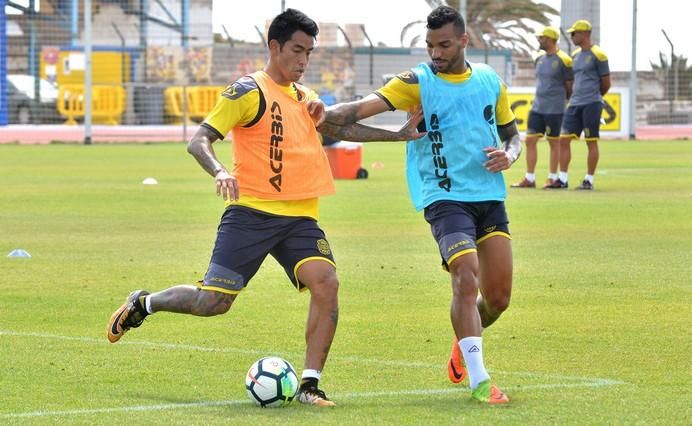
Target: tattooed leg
pixel 323 316
pixel 189 299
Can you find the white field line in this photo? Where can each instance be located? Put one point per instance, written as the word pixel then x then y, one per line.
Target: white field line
pixel 336 395
pixel 576 381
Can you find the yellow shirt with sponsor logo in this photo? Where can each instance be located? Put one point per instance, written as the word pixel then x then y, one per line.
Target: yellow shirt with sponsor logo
pixel 242 105
pixel 403 93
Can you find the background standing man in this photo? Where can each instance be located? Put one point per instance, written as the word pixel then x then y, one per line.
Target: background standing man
pixel 554 80
pixel 454 176
pixel 591 82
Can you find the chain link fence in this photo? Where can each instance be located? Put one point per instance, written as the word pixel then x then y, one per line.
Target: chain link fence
pixel 164 66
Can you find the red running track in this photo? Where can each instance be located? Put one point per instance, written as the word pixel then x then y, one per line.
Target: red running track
pixel 133 134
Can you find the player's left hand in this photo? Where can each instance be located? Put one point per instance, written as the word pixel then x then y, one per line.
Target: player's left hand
pixel 498 159
pixel 317 111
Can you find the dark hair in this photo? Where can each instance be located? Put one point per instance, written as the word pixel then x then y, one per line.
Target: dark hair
pixel 442 16
pixel 287 23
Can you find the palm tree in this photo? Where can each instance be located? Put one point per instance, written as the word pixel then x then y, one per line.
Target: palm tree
pixel 504 22
pixel 684 76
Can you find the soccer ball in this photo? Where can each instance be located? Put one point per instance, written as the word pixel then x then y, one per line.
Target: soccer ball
pixel 271 382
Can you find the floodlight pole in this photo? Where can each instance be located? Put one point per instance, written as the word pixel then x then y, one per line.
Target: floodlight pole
pixel 87 72
pixel 633 75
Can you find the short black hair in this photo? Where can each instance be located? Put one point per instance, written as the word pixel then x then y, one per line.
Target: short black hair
pixel 442 16
pixel 287 23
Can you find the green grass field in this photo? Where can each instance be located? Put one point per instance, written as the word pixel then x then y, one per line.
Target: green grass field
pixel 598 330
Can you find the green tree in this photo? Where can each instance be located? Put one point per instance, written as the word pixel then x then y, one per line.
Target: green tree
pixel 684 76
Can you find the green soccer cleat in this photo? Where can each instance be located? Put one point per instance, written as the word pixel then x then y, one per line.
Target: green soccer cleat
pixel 489 393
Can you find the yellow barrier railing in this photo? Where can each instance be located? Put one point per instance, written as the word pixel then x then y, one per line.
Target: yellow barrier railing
pixel 200 100
pixel 107 103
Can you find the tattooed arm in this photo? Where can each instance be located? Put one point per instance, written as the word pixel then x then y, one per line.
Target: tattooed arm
pixel 350 112
pixel 360 133
pixel 200 148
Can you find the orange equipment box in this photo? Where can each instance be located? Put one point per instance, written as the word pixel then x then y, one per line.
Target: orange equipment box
pixel 345 159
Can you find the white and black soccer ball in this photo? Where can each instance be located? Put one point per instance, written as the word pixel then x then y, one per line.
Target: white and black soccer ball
pixel 271 382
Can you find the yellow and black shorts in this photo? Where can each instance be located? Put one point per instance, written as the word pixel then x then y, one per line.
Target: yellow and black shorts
pixel 458 227
pixel 246 236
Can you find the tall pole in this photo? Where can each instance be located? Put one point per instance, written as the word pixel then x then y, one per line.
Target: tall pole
pixel 673 71
pixel 74 22
pixel 143 34
pixel 462 10
pixel 185 34
pixel 4 116
pixel 372 53
pixel 486 38
pixel 633 75
pixel 87 72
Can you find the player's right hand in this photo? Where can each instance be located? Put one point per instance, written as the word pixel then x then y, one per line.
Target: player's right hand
pixel 226 186
pixel 410 129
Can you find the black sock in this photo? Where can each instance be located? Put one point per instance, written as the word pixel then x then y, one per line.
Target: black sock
pixel 308 382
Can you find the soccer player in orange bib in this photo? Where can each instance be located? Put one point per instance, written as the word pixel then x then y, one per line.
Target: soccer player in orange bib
pixel 273 190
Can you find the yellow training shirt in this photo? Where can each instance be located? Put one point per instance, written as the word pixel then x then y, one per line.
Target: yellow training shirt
pixel 403 93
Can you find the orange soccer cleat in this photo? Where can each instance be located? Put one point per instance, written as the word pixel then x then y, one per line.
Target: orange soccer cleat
pixel 456 367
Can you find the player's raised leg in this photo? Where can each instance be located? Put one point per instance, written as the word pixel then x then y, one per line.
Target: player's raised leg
pixel 319 276
pixel 184 299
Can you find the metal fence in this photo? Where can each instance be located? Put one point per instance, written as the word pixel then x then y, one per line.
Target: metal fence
pixel 165 67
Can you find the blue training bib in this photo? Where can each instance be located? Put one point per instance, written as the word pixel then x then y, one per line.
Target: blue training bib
pixel 447 163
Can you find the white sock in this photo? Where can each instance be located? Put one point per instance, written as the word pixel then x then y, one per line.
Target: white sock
pixel 589 178
pixel 314 374
pixel 531 177
pixel 147 304
pixel 552 176
pixel 472 349
pixel 563 177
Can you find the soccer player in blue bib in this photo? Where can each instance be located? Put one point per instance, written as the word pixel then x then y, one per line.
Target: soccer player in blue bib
pixel 454 175
pixel 591 82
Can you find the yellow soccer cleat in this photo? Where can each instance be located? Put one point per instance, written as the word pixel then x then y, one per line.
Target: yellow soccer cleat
pixel 130 315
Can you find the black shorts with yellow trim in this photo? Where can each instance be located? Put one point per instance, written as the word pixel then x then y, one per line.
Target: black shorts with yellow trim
pixel 540 124
pixel 246 236
pixel 582 118
pixel 458 227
